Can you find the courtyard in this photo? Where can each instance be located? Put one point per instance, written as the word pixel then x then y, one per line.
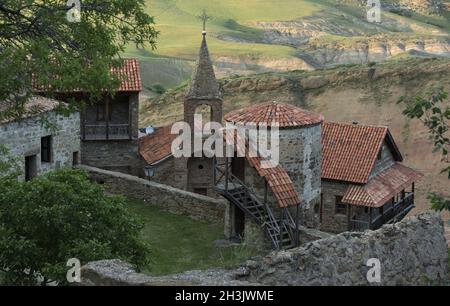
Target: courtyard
pixel 178 243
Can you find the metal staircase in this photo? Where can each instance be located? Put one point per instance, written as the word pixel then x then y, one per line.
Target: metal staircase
pixel 281 231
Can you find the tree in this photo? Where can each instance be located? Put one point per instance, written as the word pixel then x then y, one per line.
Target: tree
pixel 44 45
pixel 433 110
pixel 59 216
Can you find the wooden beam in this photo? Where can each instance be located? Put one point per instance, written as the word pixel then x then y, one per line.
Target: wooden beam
pixel 107 116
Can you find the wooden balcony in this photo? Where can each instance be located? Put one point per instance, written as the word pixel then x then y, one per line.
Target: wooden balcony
pixel 107 132
pixel 394 213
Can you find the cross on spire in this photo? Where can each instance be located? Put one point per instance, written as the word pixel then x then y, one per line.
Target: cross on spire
pixel 204 17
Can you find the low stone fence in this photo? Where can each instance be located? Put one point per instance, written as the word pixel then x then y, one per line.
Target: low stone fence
pixel 166 198
pixel 411 252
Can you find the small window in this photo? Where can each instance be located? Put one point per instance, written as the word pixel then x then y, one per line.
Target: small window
pixel 76 158
pixel 200 167
pixel 340 208
pixel 46 149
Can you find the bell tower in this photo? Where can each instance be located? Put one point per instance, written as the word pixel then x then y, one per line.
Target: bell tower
pixel 203 97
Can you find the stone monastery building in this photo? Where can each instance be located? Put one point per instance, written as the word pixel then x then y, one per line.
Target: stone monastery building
pixel 331 176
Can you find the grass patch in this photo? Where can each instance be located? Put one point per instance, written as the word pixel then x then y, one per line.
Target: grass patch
pixel 180 244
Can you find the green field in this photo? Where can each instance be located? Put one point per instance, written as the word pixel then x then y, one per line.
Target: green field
pixel 179 244
pixel 180 31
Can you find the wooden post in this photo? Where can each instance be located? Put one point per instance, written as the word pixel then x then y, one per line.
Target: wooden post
pixel 130 118
pixel 349 213
pixel 281 227
pixel 226 173
pixel 265 191
pixel 83 124
pixel 215 170
pixel 107 116
pixel 297 216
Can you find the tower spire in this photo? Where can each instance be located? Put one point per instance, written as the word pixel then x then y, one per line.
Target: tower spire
pixel 204 85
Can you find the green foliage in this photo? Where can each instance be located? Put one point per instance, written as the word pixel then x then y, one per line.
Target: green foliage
pixel 58 216
pixel 433 109
pixel 38 42
pixel 438 203
pixel 9 167
pixel 159 89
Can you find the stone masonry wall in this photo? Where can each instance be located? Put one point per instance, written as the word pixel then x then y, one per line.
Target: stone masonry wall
pixel 411 252
pixel 332 222
pixel 23 138
pixel 167 198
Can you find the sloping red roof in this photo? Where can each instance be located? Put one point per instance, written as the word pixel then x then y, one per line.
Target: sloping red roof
pixel 274 114
pixel 350 151
pixel 277 178
pixel 157 146
pixel 381 188
pixel 33 107
pixel 129 74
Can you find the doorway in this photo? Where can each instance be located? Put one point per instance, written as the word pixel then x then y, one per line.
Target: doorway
pixel 238 223
pixel 30 167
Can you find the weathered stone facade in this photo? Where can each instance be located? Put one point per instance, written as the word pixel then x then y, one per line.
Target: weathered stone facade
pixel 117 155
pixel 167 198
pixel 23 139
pixel 411 252
pixel 301 157
pixel 330 221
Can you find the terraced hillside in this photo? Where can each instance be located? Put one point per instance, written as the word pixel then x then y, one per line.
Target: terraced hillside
pixel 367 94
pixel 265 35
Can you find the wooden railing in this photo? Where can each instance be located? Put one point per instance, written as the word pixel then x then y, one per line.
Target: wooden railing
pixel 106 132
pixel 395 213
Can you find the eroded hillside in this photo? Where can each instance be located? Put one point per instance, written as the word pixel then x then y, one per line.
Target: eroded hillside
pixel 365 94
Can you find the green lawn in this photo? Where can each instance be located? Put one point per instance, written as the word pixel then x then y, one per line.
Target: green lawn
pixel 180 244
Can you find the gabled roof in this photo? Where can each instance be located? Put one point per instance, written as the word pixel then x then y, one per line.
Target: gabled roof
pixel 129 74
pixel 350 151
pixel 156 147
pixel 382 187
pixel 203 85
pixel 277 178
pixel 274 114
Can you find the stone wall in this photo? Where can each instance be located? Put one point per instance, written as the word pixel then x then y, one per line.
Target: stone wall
pixel 332 222
pixel 23 138
pixel 167 198
pixel 114 155
pixel 411 252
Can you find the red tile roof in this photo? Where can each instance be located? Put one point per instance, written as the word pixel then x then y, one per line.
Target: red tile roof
pixel 33 107
pixel 350 151
pixel 157 146
pixel 274 114
pixel 129 74
pixel 381 188
pixel 277 178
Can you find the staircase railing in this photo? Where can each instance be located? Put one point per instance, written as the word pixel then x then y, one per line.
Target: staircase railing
pixel 244 197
